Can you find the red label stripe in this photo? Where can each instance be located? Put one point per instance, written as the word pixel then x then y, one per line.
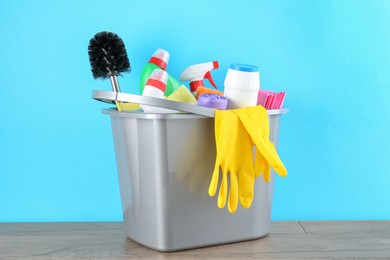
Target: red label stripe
pixel 158 62
pixel 157 84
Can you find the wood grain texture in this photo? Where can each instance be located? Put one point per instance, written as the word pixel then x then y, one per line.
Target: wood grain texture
pixel 287 240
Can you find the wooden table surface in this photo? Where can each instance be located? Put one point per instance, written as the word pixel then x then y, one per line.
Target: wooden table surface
pixel 287 240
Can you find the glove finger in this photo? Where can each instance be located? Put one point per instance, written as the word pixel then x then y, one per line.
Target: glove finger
pixel 260 164
pixel 214 180
pixel 233 193
pixel 268 151
pixel 267 174
pixel 262 167
pixel 246 186
pixel 276 163
pixel 222 191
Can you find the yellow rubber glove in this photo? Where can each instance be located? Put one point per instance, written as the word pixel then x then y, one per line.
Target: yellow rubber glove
pixel 255 121
pixel 262 167
pixel 234 156
pixel 261 164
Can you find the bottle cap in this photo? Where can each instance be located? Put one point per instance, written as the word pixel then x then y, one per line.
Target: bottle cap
pixel 158 79
pixel 160 58
pixel 244 67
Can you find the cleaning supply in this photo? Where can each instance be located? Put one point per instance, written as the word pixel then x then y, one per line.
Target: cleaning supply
pixel 155 87
pixel 270 99
pixel 234 156
pixel 204 90
pixel 195 74
pixel 242 84
pixel 255 122
pixel 235 132
pixel 159 60
pixel 127 106
pixel 182 94
pixel 108 58
pixel 110 97
pixel 213 101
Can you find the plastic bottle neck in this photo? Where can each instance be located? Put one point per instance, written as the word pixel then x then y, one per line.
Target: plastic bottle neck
pixel 194 85
pixel 156 84
pixel 159 62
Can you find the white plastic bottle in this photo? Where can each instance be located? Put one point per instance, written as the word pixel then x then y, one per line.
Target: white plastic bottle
pixel 155 87
pixel 242 85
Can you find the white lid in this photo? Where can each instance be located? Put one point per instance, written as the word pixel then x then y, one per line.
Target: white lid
pixel 160 58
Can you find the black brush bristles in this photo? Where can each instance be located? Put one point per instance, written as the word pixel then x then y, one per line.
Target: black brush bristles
pixel 107 55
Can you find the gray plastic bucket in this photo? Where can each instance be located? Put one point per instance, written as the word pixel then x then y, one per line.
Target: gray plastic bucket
pixel 165 163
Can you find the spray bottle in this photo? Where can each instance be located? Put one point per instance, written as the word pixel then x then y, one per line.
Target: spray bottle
pixel 159 60
pixel 155 87
pixel 195 74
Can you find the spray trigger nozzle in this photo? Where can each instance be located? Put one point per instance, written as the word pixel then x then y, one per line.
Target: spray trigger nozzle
pixel 208 76
pixel 197 72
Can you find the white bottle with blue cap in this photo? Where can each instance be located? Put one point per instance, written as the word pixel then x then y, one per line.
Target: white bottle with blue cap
pixel 242 85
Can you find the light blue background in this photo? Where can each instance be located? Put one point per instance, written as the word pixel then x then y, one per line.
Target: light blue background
pixel 57 158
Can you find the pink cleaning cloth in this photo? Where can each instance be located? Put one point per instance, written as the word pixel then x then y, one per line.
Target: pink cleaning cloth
pixel 270 99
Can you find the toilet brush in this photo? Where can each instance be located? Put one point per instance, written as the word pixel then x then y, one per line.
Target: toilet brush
pixel 108 59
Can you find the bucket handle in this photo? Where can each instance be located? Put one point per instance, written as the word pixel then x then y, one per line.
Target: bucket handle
pixel 111 97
